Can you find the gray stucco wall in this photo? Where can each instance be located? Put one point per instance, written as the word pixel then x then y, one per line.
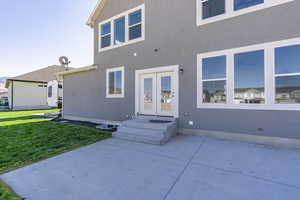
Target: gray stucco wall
pixel 171 27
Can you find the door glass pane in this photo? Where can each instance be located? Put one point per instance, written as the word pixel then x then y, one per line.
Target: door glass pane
pixel 288 89
pixel 148 91
pixel 240 4
pixel 118 78
pixel 119 31
pixel 214 68
pixel 166 94
pixel 135 32
pixel 287 60
pixel 111 82
pixel 249 77
pixel 214 92
pixel 211 8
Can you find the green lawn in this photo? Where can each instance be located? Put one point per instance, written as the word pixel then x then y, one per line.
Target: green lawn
pixel 6 193
pixel 25 139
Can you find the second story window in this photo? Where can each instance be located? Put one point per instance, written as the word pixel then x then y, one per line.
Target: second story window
pixel 211 8
pixel 126 28
pixel 214 10
pixel 135 25
pixel 119 27
pixel 105 35
pixel 241 4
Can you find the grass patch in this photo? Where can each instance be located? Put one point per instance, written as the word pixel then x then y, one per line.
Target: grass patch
pixel 25 139
pixel 6 193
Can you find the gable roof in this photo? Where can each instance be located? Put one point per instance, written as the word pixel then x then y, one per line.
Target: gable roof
pixel 43 75
pixel 97 10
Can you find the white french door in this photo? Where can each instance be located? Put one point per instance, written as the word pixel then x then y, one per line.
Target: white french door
pixel 158 94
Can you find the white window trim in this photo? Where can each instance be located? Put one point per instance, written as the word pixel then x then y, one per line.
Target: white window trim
pixel 122 95
pixel 270 87
pixel 127 41
pixel 229 10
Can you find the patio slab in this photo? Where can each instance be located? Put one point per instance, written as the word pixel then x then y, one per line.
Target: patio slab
pixel 188 167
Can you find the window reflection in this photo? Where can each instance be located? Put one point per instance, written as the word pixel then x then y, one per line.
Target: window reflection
pixel 214 92
pixel 288 89
pixel 214 67
pixel 211 8
pixel 115 82
pixel 148 97
pixel 249 78
pixel 287 60
pixel 119 31
pixel 241 4
pixel 166 93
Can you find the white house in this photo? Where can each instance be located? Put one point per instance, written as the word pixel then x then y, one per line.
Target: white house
pixel 29 91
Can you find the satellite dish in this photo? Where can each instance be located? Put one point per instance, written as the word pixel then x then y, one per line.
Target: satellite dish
pixel 63 60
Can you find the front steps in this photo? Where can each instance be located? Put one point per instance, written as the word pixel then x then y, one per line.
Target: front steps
pixel 148 129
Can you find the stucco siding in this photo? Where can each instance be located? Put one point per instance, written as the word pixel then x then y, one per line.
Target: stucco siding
pixel 171 28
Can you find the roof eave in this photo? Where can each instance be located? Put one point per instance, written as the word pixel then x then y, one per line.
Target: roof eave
pixel 78 70
pixel 97 10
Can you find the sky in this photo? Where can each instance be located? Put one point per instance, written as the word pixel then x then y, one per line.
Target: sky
pixel 35 33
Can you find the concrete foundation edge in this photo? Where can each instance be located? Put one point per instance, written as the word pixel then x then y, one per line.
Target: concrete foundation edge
pixel 264 140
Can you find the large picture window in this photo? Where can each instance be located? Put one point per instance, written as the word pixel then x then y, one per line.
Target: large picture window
pixel 287 74
pixel 126 28
pixel 115 82
pixel 249 77
pixel 264 76
pixel 214 10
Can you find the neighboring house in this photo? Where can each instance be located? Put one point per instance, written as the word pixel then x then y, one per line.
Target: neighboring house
pixel 29 91
pixel 192 60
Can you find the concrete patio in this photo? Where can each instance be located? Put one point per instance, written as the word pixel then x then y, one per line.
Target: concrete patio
pixel 187 168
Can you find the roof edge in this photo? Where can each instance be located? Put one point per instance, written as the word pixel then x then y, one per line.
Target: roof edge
pixel 78 70
pixel 7 82
pixel 97 10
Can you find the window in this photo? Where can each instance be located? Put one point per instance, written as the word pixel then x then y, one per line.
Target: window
pixel 135 25
pixel 214 80
pixel 49 91
pixel 287 74
pixel 214 10
pixel 126 28
pixel 119 31
pixel 264 76
pixel 105 35
pixel 241 4
pixel 249 81
pixel 115 83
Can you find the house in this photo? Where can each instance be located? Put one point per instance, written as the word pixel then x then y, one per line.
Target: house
pixel 217 66
pixel 29 91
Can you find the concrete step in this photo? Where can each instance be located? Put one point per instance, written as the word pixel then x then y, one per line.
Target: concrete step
pixel 149 117
pixel 142 129
pixel 140 139
pixel 145 125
